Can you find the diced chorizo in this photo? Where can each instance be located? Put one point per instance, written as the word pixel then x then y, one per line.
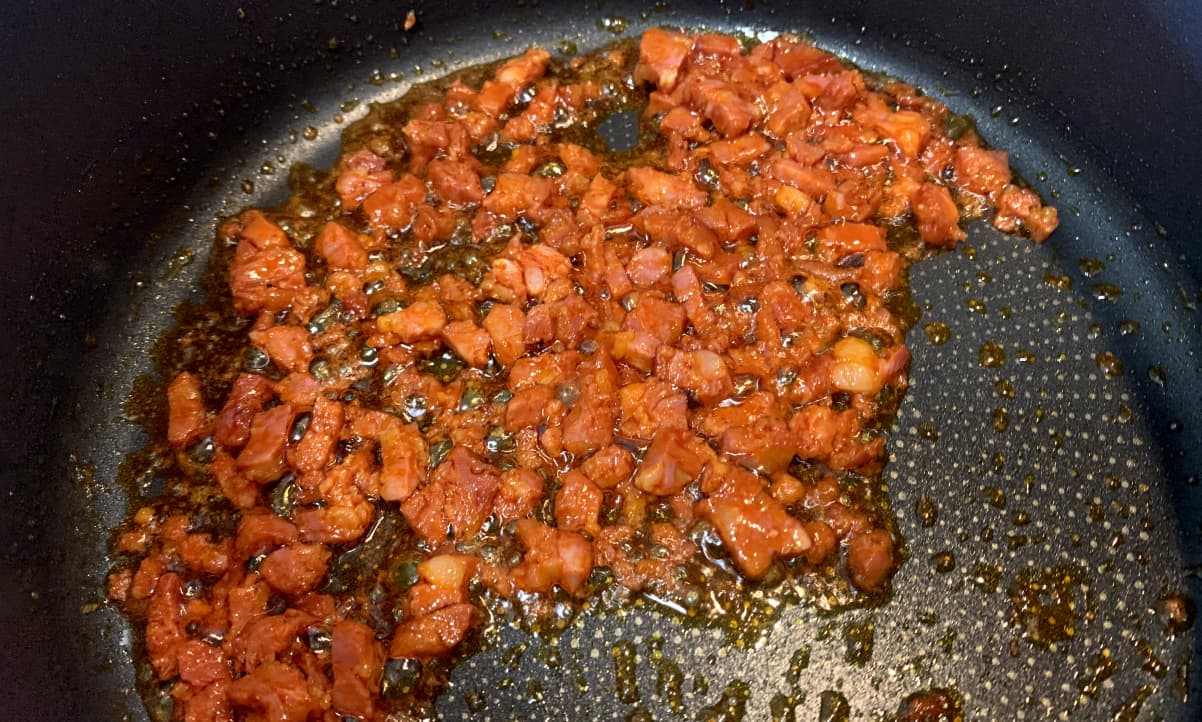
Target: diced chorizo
pixel 260 530
pixel 455 182
pixel 392 206
pixel 164 627
pixel 788 109
pixel 702 373
pixel 609 467
pixel 288 346
pixel 404 457
pixel 456 500
pixel 469 341
pixel 677 229
pixel 589 425
pixel 419 321
pixel 250 392
pixel 1020 209
pixel 869 559
pixel 316 447
pixel 649 407
pixel 524 69
pixel 433 635
pixel 519 492
pixel 505 324
pixel 185 409
pixel 673 460
pixel 578 504
pixel 239 490
pixel 648 266
pixel 937 216
pixel 553 558
pixel 279 692
pixel 340 248
pixel 765 445
pixel 295 569
pixel 656 188
pixel 755 529
pixel 730 113
pixel 740 150
pixel 360 174
pixel 541 267
pixel 202 664
pixel 845 238
pixel 662 54
pixel 262 459
pixel 266 280
pixel 358 664
pixel 298 390
pixel 979 170
pixel 730 222
pixel 517 194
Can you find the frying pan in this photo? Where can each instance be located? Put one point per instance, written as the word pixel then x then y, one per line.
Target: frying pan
pixel 130 128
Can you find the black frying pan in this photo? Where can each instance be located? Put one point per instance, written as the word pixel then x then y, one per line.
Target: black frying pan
pixel 131 128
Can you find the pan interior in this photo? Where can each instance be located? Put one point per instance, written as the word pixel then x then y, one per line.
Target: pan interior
pixel 1037 494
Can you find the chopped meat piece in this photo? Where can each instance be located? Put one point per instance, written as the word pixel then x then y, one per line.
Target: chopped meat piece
pixel 262 459
pixel 277 691
pixel 455 182
pixel 295 569
pixel 662 54
pixel 656 188
pixel 674 458
pixel 420 321
pixel 870 559
pixel 185 409
pixel 341 249
pixel 288 346
pixel 433 635
pixel 553 558
pixel 755 527
pixel 358 665
pixel 937 215
pixel 457 499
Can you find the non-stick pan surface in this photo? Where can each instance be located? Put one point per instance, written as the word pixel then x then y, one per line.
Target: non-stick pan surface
pixel 1063 481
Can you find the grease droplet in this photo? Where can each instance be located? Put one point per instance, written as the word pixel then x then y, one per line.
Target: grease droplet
pixel 1097 672
pixel 1110 364
pixel 1106 292
pixel 927 510
pixel 1000 419
pixel 1090 267
pixel 1060 283
pixel 1156 373
pixel 1044 604
pixel 986 577
pixel 992 355
pixel 937 333
pixel 860 640
pixel 1177 612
